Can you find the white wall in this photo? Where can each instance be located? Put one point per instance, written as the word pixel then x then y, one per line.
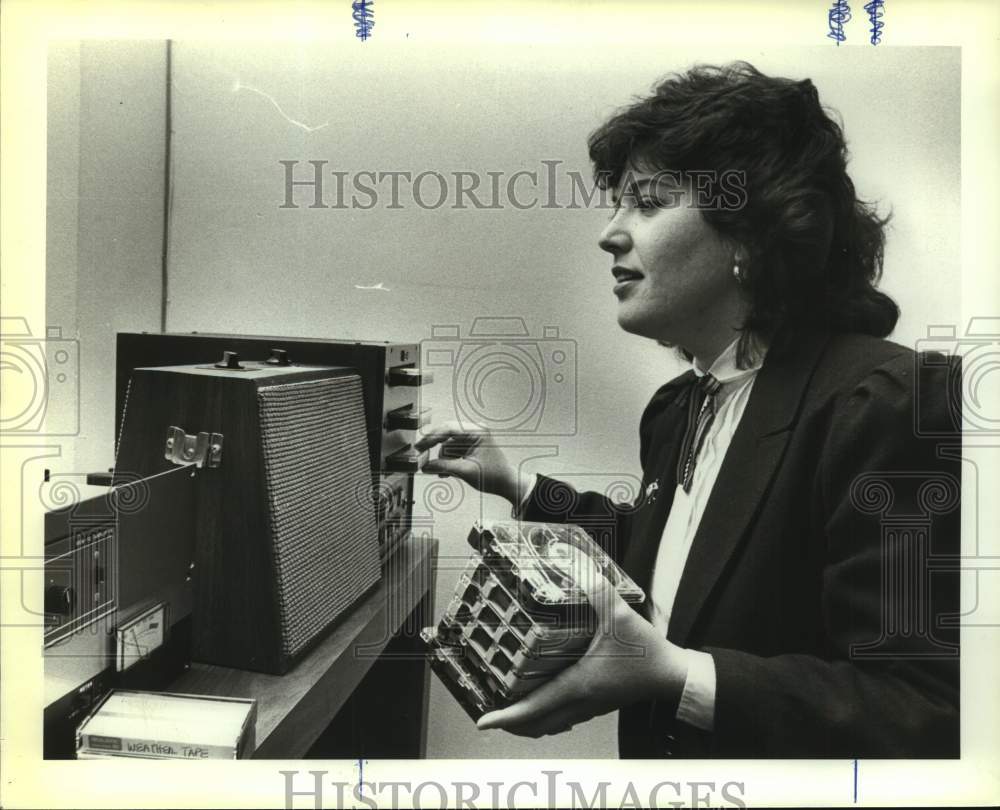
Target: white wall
pixel 105 157
pixel 62 222
pixel 240 263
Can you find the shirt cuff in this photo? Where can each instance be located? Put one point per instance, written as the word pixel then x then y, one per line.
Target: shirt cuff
pixel 697 706
pixel 518 509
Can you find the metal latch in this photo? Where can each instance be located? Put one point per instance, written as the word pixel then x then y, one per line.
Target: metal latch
pixel 204 449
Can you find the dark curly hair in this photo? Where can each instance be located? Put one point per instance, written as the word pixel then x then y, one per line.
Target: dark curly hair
pixel 813 250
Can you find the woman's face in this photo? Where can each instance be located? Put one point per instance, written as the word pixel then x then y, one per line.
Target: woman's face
pixel 673 274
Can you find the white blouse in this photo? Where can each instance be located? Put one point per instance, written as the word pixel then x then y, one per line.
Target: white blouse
pixel 697 705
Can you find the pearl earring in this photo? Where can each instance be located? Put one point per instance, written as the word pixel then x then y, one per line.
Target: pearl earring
pixel 737 273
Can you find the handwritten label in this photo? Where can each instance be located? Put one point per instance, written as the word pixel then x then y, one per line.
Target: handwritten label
pixel 838 15
pixel 364 18
pixel 167 750
pixel 876 10
pixel 151 748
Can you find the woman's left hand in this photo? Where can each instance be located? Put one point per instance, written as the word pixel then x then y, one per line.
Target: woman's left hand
pixel 627 661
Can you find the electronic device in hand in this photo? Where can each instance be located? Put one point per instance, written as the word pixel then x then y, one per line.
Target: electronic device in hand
pixel 520 612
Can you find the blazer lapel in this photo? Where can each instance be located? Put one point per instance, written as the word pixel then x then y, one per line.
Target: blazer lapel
pixel 650 517
pixel 750 463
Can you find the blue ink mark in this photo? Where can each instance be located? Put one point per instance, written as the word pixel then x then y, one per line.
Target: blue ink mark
pixel 876 11
pixel 838 15
pixel 855 781
pixel 364 18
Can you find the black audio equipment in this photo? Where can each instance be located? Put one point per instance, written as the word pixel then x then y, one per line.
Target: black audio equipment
pixel 285 537
pixel 391 382
pixel 118 595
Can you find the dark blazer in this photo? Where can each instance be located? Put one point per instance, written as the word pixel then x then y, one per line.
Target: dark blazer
pixel 823 577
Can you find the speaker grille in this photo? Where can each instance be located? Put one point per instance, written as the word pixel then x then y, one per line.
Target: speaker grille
pixel 317 476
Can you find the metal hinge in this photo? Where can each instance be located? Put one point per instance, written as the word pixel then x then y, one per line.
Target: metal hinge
pixel 202 450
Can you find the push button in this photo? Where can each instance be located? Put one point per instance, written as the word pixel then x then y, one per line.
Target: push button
pixel 408 418
pixel 408 376
pixel 406 460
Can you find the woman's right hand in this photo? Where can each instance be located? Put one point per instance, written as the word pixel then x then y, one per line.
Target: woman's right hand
pixel 474 457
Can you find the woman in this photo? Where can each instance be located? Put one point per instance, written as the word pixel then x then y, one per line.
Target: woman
pixel 778 620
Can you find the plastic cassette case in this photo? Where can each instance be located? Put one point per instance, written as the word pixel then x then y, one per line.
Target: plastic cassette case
pixel 518 614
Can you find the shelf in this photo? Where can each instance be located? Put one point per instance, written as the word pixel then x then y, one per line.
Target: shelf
pixel 294 709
